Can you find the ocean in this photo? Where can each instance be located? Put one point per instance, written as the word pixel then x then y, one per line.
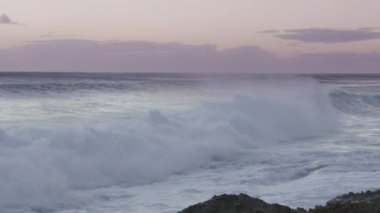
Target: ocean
pixel 114 142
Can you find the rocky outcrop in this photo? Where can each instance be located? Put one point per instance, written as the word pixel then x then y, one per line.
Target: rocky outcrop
pixel 364 202
pixel 238 204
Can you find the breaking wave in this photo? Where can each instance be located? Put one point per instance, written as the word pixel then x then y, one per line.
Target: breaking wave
pixel 356 103
pixel 42 163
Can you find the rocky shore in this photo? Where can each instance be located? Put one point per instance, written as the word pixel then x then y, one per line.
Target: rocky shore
pixel 363 202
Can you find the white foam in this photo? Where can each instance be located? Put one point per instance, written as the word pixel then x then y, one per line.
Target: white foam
pixel 42 163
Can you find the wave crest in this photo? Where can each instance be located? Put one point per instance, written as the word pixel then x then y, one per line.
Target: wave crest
pixel 41 164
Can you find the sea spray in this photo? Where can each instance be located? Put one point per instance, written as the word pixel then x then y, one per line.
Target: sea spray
pixel 43 162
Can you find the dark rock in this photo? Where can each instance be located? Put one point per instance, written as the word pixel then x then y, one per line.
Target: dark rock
pixel 364 202
pixel 238 204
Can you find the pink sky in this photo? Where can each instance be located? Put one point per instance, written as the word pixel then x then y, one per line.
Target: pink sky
pixel 286 29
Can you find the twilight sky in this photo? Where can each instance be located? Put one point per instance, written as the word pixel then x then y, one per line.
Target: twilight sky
pixel 190 35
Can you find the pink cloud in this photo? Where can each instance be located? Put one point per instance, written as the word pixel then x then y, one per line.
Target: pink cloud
pixel 144 56
pixel 325 35
pixel 4 19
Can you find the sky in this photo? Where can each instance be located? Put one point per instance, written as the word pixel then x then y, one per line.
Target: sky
pixel 191 35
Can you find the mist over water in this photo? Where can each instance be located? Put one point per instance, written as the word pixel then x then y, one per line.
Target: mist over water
pixel 78 141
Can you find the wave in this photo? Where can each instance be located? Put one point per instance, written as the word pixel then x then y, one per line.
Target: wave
pixel 41 164
pixel 356 103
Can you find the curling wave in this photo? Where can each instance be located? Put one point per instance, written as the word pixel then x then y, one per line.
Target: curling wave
pixel 42 163
pixel 356 103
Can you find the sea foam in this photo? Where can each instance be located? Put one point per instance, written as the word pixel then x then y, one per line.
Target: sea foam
pixel 42 163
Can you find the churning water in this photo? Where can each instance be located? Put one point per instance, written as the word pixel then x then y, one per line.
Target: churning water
pixel 160 142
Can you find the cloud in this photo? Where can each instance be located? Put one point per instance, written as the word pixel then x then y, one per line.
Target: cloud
pixel 144 56
pixel 336 63
pixel 271 31
pixel 53 35
pixel 328 36
pixel 4 19
pixel 130 56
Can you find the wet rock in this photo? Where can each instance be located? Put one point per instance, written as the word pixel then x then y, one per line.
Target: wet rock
pixel 363 202
pixel 237 204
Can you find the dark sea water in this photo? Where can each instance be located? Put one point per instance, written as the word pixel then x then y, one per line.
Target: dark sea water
pixel 109 142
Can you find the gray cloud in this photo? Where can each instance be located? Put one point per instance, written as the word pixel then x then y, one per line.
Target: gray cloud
pixel 143 56
pixel 4 19
pixel 328 36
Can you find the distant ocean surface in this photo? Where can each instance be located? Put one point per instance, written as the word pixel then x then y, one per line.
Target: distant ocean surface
pixel 108 142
